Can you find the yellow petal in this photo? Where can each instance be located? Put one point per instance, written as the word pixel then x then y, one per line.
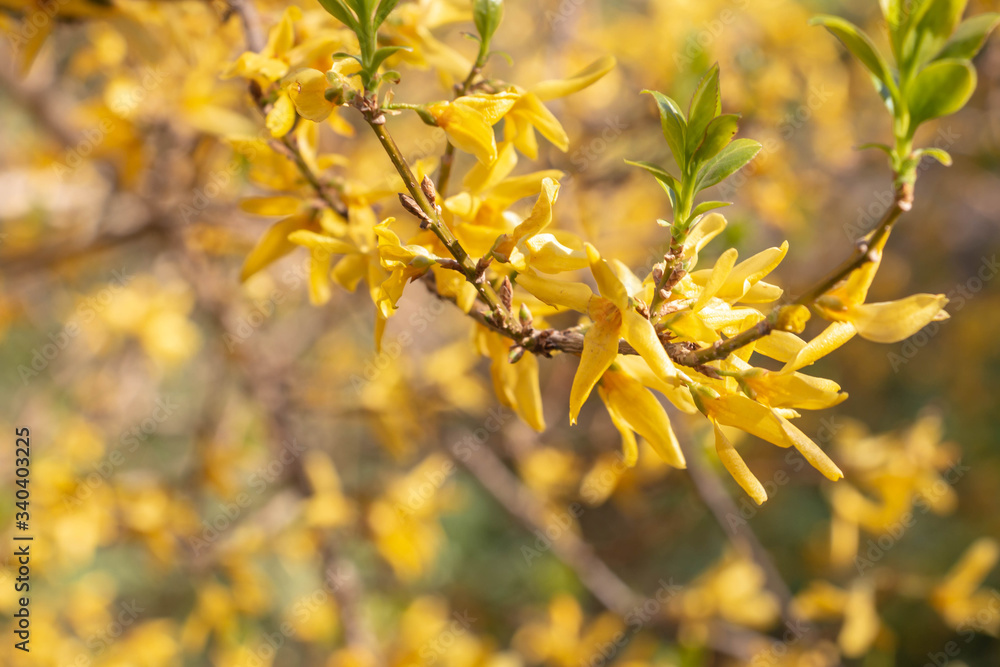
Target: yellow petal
pixel 518 187
pixel 544 253
pixel 855 289
pixel 349 271
pixel 547 90
pixel 483 177
pixel 273 245
pixel 257 66
pixel 282 36
pixel 490 107
pixel 282 205
pixel 519 131
pixel 541 212
pixel 322 242
pixel 557 292
pixel 319 276
pixel 640 410
pixel 717 278
pixel 527 394
pixel 307 90
pixel 679 396
pixel 707 229
pixel 630 448
pixel 689 326
pixel 541 216
pixel 968 574
pixel 531 109
pixel 641 335
pixel 794 390
pixel 816 457
pixel 893 321
pixel 600 347
pixel 748 415
pixel 467 129
pixel 826 342
pixel 607 282
pixel 780 345
pixel 734 464
pixel 748 272
pixel 861 621
pixel 281 118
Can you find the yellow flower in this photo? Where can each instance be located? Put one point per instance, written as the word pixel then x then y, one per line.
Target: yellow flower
pixel 529 114
pixel 766 423
pixel 958 598
pixel 563 639
pixel 887 322
pixel 527 247
pixel 734 464
pixel 821 601
pixel 632 407
pixel 613 317
pixel 469 121
pixel 515 384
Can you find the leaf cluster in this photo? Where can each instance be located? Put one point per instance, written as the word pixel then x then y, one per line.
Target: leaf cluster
pixel 703 147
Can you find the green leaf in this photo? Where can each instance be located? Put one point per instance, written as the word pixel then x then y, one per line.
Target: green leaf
pixel 941 88
pixel 381 54
pixel 930 32
pixel 718 134
pixel 383 12
pixel 933 29
pixel 939 154
pixel 706 104
pixel 487 14
pixel 874 144
pixel 858 43
pixel 707 206
pixel 970 37
pixel 731 159
pixel 660 174
pixel 340 11
pixel 673 124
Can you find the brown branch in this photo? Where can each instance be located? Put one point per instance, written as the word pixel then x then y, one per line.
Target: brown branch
pixel 595 575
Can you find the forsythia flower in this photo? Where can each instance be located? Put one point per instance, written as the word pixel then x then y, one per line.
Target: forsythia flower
pixel 958 598
pixel 887 322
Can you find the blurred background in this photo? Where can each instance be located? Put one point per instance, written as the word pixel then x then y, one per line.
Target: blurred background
pixel 224 474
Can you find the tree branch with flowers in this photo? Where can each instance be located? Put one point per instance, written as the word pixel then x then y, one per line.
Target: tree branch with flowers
pixel 689 334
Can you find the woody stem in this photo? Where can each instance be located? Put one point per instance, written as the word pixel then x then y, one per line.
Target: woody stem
pixel 436 224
